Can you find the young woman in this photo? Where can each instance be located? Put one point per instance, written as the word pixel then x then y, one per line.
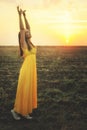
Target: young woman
pixel 26 96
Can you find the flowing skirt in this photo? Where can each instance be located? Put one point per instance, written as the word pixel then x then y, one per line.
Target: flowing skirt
pixel 26 96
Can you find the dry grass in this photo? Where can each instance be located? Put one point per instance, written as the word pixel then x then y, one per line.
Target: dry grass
pixel 62 89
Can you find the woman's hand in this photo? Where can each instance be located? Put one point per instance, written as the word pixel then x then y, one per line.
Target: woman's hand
pixel 24 12
pixel 19 10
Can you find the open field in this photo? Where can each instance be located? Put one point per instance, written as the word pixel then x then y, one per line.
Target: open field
pixel 62 89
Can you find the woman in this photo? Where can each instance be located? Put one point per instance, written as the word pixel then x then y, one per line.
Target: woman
pixel 26 96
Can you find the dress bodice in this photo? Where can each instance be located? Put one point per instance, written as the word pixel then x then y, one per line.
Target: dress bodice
pixel 27 52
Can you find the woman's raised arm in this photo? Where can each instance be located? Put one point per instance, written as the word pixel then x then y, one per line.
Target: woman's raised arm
pixel 22 30
pixel 26 21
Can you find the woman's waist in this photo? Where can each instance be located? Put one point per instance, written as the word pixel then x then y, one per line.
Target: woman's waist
pixel 28 55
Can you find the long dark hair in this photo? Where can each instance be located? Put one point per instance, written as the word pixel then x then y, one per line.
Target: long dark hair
pixel 28 45
pixel 21 51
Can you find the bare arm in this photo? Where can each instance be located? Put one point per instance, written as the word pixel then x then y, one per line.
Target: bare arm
pixel 22 30
pixel 20 18
pixel 26 21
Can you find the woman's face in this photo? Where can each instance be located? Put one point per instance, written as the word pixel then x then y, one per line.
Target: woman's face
pixel 27 34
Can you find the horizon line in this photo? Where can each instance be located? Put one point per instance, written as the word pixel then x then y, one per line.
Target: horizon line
pixel 47 45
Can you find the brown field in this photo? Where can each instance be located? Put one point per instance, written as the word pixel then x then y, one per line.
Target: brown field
pixel 62 89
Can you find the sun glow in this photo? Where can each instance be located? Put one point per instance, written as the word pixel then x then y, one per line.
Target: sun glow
pixel 51 22
pixel 63 27
pixel 67 26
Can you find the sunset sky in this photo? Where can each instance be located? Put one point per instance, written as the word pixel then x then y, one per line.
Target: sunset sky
pixel 53 22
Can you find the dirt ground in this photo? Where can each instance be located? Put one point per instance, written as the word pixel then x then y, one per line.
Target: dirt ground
pixel 62 89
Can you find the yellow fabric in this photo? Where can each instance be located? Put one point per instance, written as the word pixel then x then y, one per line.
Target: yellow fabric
pixel 26 96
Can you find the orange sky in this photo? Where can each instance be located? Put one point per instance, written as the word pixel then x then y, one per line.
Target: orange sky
pixel 53 22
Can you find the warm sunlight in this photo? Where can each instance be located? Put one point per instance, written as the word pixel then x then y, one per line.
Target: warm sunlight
pixel 67 26
pixel 66 29
pixel 64 26
pixel 51 22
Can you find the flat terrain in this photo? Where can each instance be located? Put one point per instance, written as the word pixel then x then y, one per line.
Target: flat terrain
pixel 62 89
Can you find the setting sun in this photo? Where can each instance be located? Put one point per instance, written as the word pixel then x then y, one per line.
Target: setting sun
pixel 67 26
pixel 51 22
pixel 63 25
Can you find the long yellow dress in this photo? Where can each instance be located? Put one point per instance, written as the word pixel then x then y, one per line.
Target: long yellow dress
pixel 26 96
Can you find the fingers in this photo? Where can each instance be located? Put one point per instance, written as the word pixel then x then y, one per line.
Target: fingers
pixel 24 12
pixel 20 11
pixel 18 8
